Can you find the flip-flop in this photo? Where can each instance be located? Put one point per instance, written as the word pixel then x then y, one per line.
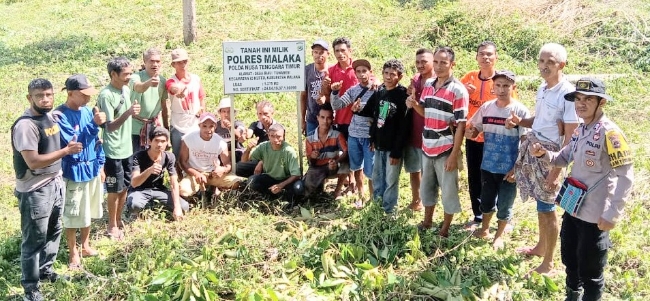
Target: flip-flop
pixel 117 237
pixel 358 204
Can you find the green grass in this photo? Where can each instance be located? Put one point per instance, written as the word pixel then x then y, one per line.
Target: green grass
pixel 325 251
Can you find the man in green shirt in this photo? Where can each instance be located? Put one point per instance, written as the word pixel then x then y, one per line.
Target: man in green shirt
pixel 148 88
pixel 115 101
pixel 280 172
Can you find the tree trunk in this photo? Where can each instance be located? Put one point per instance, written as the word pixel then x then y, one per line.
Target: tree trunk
pixel 189 21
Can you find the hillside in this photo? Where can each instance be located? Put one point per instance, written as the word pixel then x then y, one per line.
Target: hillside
pixel 251 250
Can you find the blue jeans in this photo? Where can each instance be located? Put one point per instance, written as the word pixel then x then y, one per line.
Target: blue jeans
pixel 385 180
pixel 40 223
pixel 360 155
pixel 311 127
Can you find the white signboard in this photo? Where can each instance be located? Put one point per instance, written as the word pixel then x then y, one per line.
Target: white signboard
pixel 263 66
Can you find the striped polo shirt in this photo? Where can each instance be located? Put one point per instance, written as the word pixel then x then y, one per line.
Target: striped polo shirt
pixel 442 108
pixel 327 150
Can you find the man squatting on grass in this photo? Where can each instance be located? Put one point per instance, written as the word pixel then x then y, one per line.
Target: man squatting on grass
pixel 83 172
pixel 280 172
pixel 149 168
pixel 387 107
pixel 499 153
pixel 326 148
pixel 480 86
pixel 37 153
pixel 444 106
pixel 603 162
pixel 205 159
pixel 550 108
pixel 360 153
pixel 115 101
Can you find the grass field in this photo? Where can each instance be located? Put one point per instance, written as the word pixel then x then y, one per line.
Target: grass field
pixel 249 250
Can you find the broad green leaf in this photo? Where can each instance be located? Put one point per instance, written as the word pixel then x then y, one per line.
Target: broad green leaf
pixel 550 284
pixel 364 266
pixel 332 283
pixel 212 277
pixel 429 276
pixel 163 277
pixel 304 212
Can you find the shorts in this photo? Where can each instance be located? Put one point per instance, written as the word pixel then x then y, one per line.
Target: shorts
pixel 361 155
pixel 189 186
pixel 412 159
pixel 543 207
pixel 434 176
pixel 83 202
pixel 118 174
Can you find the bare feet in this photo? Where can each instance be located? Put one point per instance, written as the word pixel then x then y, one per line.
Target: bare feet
pixel 115 234
pixel 481 233
pixel 416 205
pixel 89 252
pixel 472 225
pixel 75 262
pixel 545 269
pixel 531 251
pixel 497 244
pixel 444 234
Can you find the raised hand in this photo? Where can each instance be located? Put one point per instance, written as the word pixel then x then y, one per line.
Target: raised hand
pixel 512 121
pixel 135 108
pixel 470 87
pixel 337 86
pixel 74 147
pixel 537 150
pixel 99 117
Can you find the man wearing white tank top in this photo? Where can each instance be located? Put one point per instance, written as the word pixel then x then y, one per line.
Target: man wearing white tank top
pixel 205 159
pixel 187 96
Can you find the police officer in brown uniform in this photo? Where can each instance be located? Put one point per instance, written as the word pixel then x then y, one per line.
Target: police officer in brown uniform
pixel 602 172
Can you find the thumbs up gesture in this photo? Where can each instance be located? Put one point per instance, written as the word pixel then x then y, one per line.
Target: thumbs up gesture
pixel 156 168
pixel 471 132
pixel 218 170
pixel 537 150
pixel 135 108
pixel 99 117
pixel 410 101
pixel 337 86
pixel 512 121
pixel 356 106
pixel 74 147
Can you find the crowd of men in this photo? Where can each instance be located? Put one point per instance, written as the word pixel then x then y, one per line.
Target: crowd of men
pixel 359 126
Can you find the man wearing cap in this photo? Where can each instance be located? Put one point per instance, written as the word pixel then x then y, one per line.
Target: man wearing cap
pixel 224 125
pixel 187 98
pixel 499 154
pixel 82 172
pixel 205 159
pixel 37 153
pixel 152 97
pixel 603 162
pixel 538 179
pixel 115 101
pixel 361 155
pixel 314 75
pixel 281 172
pixel 149 167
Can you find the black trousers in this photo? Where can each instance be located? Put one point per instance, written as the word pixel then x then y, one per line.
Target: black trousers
pixel 474 156
pixel 584 253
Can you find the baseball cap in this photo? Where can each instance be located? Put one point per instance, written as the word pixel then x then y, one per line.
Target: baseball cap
pixel 321 43
pixel 80 82
pixel 179 54
pixel 588 86
pixel 207 116
pixel 224 103
pixel 361 62
pixel 505 73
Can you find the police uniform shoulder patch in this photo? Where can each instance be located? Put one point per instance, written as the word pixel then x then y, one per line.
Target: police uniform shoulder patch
pixel 617 149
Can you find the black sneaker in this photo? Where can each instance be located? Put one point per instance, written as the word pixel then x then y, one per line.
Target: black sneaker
pixel 53 277
pixel 33 296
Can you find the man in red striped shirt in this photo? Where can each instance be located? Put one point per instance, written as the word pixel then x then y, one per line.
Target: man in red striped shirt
pixel 443 104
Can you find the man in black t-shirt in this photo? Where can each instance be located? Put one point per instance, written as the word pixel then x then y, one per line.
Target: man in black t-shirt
pixel 148 176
